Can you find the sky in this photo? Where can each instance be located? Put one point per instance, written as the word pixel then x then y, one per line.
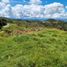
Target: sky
pixel 20 9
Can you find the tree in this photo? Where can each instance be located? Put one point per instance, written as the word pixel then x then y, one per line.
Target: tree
pixel 3 22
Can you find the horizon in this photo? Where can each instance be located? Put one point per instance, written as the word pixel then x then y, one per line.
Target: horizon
pixel 26 9
pixel 36 19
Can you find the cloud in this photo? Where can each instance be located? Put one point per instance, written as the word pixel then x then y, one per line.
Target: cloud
pixel 33 10
pixel 30 10
pixel 5 8
pixel 66 7
pixel 54 10
pixel 17 11
pixel 35 2
pixel 6 1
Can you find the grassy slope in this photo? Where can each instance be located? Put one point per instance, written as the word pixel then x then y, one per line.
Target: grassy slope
pixel 46 48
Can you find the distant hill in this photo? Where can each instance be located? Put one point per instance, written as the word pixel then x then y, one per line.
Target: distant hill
pixel 52 23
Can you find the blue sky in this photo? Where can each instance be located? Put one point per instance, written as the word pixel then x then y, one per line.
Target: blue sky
pixel 60 1
pixel 14 2
pixel 33 9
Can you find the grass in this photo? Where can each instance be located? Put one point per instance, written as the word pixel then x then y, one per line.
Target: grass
pixel 46 48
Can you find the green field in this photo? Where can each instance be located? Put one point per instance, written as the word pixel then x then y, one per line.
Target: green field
pixel 33 43
pixel 45 48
